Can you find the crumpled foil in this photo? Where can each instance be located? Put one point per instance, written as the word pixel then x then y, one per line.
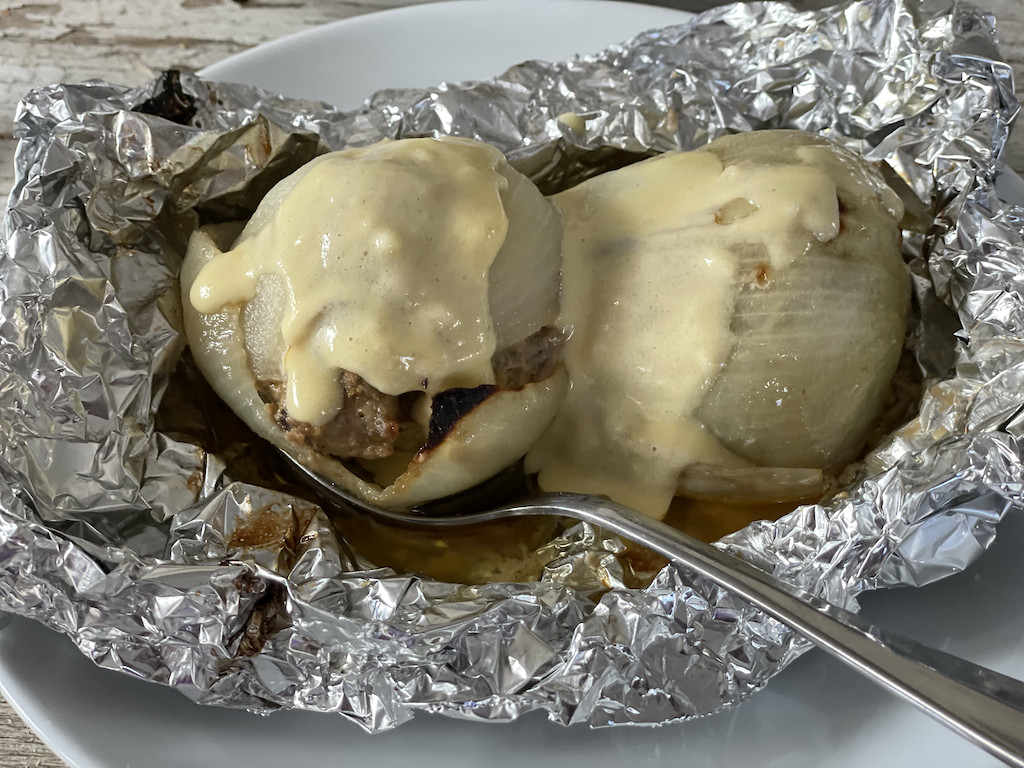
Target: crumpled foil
pixel 136 539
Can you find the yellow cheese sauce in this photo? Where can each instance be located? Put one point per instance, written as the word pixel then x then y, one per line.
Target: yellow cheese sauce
pixel 653 257
pixel 383 254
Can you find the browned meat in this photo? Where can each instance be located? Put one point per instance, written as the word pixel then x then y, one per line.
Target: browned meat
pixel 532 359
pixel 370 423
pixel 366 427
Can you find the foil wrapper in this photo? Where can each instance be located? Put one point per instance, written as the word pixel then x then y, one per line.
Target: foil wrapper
pixel 138 539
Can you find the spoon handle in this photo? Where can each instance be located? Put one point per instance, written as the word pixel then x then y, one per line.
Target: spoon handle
pixel 981 705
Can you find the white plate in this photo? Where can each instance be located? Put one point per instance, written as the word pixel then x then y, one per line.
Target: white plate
pixel 815 714
pixel 423 45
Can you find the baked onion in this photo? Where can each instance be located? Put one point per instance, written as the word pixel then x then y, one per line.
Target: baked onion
pixel 734 317
pixel 387 317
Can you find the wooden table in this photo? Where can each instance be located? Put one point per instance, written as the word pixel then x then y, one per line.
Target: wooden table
pixel 45 41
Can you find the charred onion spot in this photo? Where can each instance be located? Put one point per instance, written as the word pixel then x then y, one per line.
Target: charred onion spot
pixel 450 406
pixel 170 101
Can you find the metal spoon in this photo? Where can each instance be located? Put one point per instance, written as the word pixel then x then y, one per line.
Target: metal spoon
pixel 980 704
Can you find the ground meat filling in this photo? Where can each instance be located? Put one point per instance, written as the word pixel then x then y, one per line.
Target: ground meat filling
pixel 366 427
pixel 532 359
pixel 372 425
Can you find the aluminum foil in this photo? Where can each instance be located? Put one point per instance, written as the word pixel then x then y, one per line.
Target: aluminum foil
pixel 166 551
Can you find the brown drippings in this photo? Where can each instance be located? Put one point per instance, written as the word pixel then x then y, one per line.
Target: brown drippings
pixel 479 554
pixel 711 520
pixel 268 526
pixel 506 550
pixel 705 520
pixel 195 482
pixel 640 565
pixel 268 617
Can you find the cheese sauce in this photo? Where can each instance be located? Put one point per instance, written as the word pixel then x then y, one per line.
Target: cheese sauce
pixel 651 268
pixel 383 254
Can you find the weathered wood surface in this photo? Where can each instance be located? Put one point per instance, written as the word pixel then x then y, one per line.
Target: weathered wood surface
pixel 45 41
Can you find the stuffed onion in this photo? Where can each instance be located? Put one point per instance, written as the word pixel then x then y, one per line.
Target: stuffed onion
pixel 387 316
pixel 734 318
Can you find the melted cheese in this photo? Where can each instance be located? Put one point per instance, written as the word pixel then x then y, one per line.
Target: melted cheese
pixel 382 255
pixel 650 275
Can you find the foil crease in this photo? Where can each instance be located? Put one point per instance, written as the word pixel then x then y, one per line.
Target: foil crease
pixel 136 541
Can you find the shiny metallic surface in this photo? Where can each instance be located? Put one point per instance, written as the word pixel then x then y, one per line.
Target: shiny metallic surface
pixel 980 704
pixel 139 543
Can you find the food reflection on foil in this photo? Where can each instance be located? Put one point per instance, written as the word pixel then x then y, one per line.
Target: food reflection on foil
pixel 146 524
